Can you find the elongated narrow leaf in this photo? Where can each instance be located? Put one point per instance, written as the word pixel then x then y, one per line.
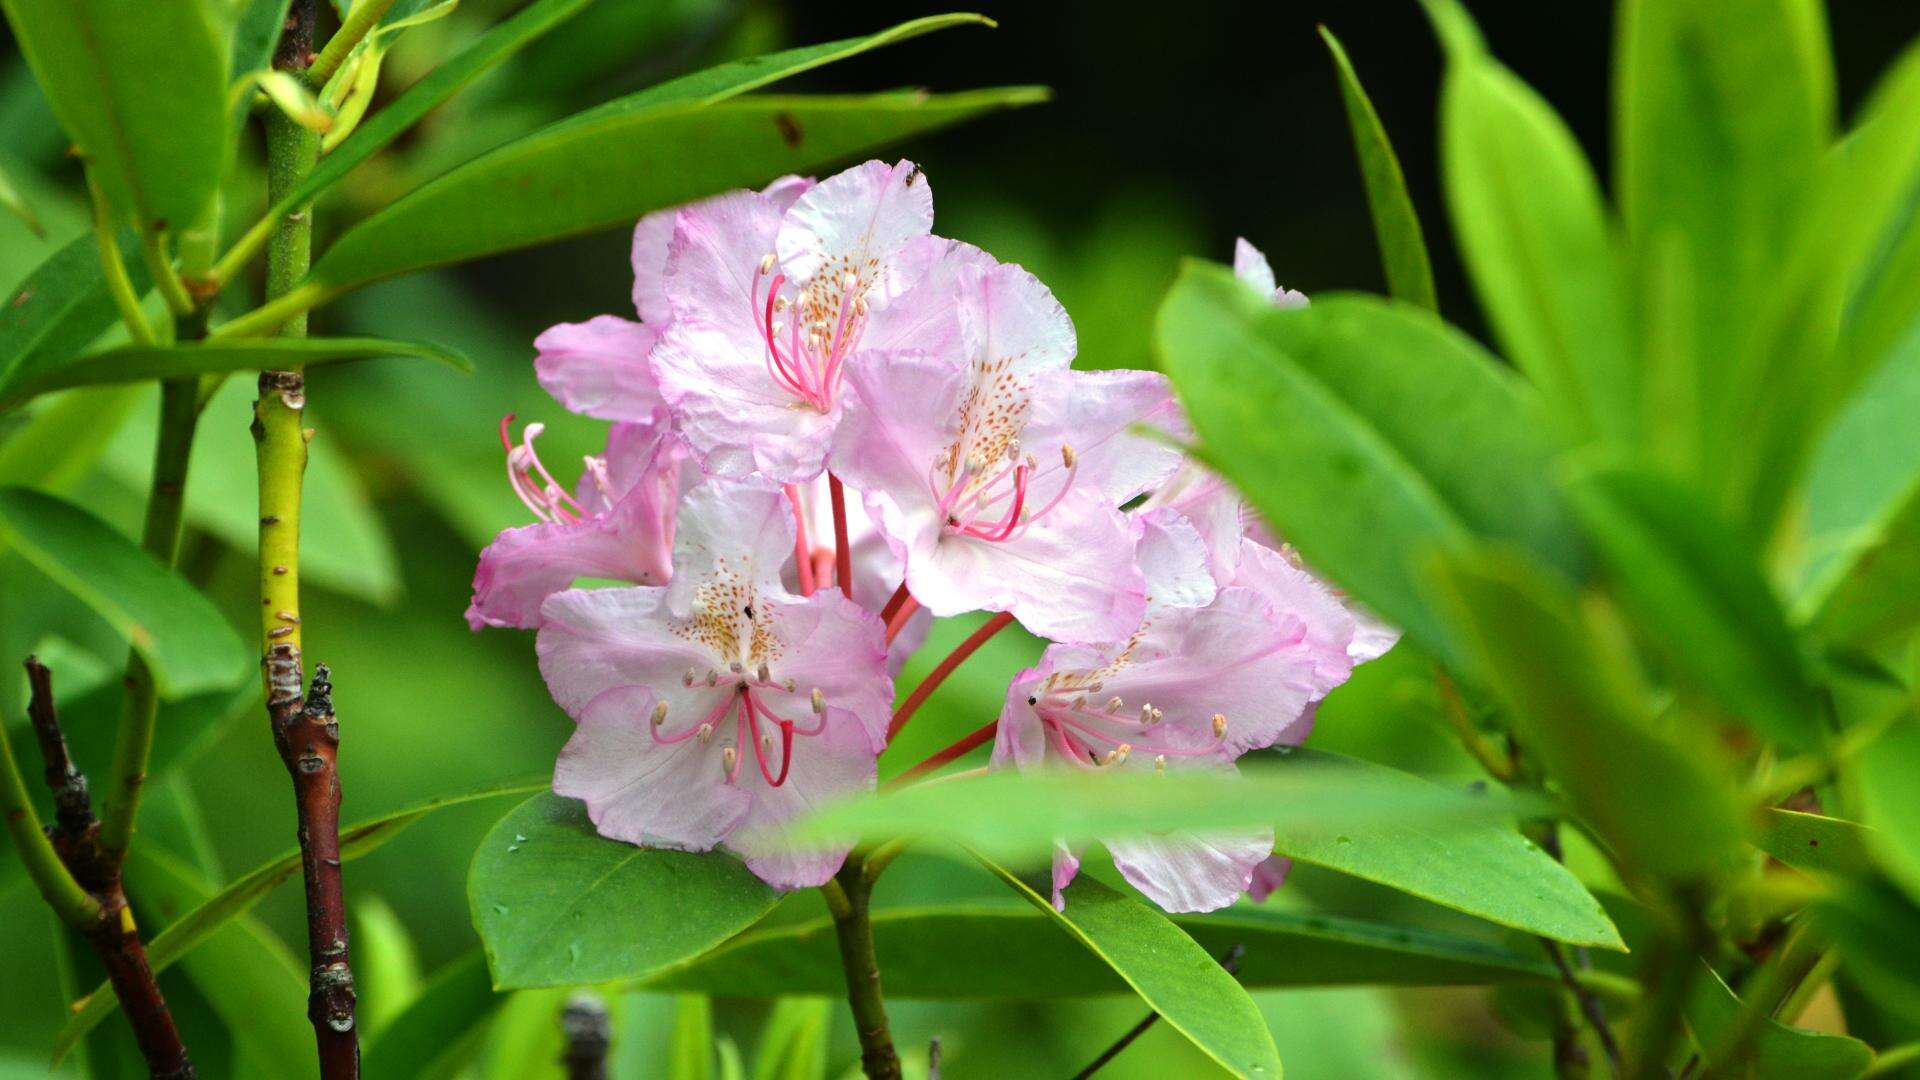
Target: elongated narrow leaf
pixel 386 965
pixel 793 1045
pixel 139 363
pixel 439 1028
pixel 576 177
pixel 502 41
pixel 184 934
pixel 980 950
pixel 15 203
pixel 1695 586
pixel 63 441
pixel 1656 796
pixel 1014 814
pixel 1170 972
pixel 1815 842
pixel 690 1044
pixel 242 968
pixel 1534 231
pixel 181 635
pixel 1490 871
pixel 1396 229
pixel 557 904
pixel 141 89
pixel 1888 778
pixel 1398 436
pixel 57 311
pixel 1778 1052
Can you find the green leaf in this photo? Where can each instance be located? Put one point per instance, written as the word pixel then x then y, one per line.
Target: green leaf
pixel 1575 703
pixel 793 1045
pixel 1013 813
pixel 1695 586
pixel 1724 110
pixel 207 916
pixel 139 363
pixel 58 310
pixel 1491 871
pixel 1170 972
pixel 1778 1052
pixel 593 173
pixel 386 965
pixel 1887 779
pixel 14 201
pixel 1876 929
pixel 1533 230
pixel 243 969
pixel 151 118
pixel 1403 248
pixel 982 950
pixel 1399 436
pixel 178 632
pixel 557 904
pixel 63 440
pixel 502 41
pixel 439 1031
pixel 1814 842
pixel 1863 513
pixel 690 1044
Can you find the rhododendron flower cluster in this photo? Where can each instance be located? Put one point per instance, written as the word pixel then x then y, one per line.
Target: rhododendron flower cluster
pixel 830 426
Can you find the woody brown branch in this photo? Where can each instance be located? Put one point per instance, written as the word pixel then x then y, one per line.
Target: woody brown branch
pixel 308 738
pixel 114 936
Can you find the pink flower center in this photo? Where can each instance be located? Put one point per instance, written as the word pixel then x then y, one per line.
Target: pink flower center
pixel 989 500
pixel 537 488
pixel 1099 734
pixel 757 725
pixel 808 342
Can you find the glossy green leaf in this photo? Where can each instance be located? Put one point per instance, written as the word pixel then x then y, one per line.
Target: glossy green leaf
pixel 438 1031
pixel 1534 232
pixel 1400 436
pixel 245 971
pixel 256 31
pixel 209 915
pixel 1778 1052
pixel 557 904
pixel 1656 796
pixel 1876 929
pixel 64 438
pixel 983 950
pixel 593 173
pixel 1490 871
pixel 138 363
pixel 1170 972
pixel 152 120
pixel 1403 248
pixel 793 1045
pixel 179 633
pixel 57 311
pixel 1694 585
pixel 1011 813
pixel 1814 842
pixel 690 1044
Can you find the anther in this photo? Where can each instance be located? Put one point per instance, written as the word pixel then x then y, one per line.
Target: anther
pixel 713 678
pixel 791 686
pixel 766 262
pixel 1067 456
pixel 659 714
pixel 763 674
pixel 689 677
pixel 736 666
pixel 1159 763
pixel 706 732
pixel 1114 703
pixel 728 756
pixel 819 702
pixel 1219 725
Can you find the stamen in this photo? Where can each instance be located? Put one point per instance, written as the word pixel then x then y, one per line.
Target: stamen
pixel 1219 725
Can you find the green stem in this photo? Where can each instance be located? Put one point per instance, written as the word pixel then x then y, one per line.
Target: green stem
pixel 848 898
pixel 30 842
pixel 1893 1058
pixel 153 247
pixel 1669 974
pixel 276 314
pixel 160 538
pixel 119 285
pixel 363 16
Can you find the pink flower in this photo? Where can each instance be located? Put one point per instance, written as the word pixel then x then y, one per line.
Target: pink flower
pixel 770 294
pixel 617 524
pixel 599 368
pixel 714 709
pixel 1250 266
pixel 995 470
pixel 877 569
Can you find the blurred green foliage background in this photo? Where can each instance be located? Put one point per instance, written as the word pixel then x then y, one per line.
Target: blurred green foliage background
pixel 1175 129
